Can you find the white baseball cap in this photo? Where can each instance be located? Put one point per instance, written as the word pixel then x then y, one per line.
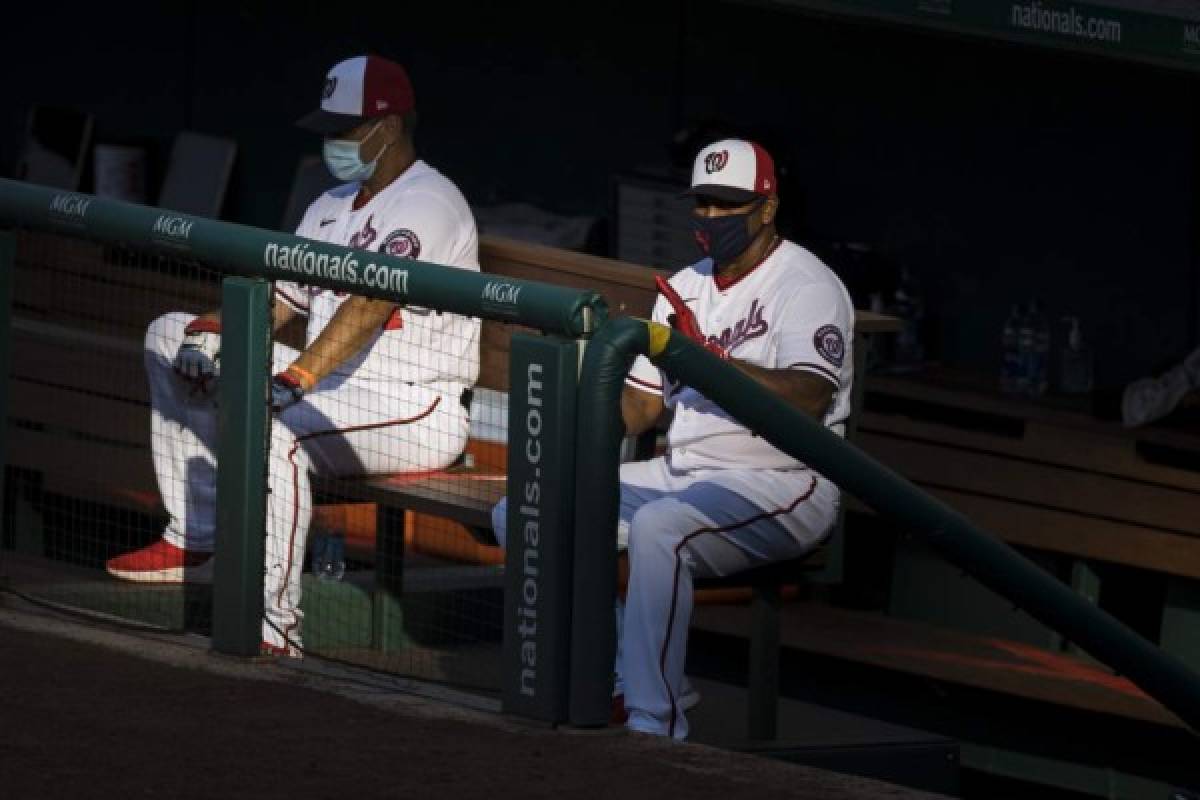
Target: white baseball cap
pixel 734 170
pixel 359 89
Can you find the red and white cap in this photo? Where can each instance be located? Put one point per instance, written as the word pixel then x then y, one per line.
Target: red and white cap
pixel 733 170
pixel 359 89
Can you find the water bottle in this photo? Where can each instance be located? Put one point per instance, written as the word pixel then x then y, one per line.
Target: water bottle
pixel 1075 366
pixel 328 555
pixel 1010 363
pixel 910 308
pixel 1024 354
pixel 878 347
pixel 1039 376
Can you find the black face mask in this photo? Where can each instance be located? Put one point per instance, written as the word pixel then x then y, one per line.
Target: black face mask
pixel 725 238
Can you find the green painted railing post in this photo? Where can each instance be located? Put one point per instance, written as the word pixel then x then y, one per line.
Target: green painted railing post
pixel 8 257
pixel 543 391
pixel 242 444
pixel 606 362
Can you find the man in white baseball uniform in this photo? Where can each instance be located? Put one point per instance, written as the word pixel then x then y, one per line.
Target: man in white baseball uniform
pixel 723 500
pixel 378 388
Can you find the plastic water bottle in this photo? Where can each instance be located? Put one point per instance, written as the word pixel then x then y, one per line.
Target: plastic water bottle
pixel 1010 359
pixel 328 556
pixel 1075 366
pixel 1024 354
pixel 910 308
pixel 1039 375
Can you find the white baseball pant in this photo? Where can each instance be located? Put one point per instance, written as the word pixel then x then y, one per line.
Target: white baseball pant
pixel 343 427
pixel 678 526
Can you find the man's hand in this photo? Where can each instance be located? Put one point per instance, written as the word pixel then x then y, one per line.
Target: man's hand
pixel 198 358
pixel 286 390
pixel 684 319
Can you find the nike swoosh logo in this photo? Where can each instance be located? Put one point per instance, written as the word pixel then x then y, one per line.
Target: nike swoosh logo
pixel 325 222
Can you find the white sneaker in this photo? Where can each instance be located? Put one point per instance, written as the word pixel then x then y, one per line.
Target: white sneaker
pixel 1150 399
pixel 689 698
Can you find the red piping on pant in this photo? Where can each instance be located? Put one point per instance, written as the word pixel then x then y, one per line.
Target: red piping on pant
pixel 287 573
pixel 662 662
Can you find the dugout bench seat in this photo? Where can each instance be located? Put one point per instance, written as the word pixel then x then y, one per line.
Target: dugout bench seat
pixel 1112 511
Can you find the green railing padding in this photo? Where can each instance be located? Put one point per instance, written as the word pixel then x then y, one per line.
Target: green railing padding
pixel 255 252
pixel 991 561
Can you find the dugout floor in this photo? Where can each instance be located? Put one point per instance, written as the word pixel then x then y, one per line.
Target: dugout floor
pixel 818 736
pixel 92 712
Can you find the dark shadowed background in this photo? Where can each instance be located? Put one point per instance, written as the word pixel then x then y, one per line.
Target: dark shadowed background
pixel 994 171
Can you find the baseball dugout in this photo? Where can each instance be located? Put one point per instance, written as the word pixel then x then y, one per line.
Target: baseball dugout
pixel 120 251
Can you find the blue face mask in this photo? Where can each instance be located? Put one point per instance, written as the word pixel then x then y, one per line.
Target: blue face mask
pixel 725 238
pixel 343 159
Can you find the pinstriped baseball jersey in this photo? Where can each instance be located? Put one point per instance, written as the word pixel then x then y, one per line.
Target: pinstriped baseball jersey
pixel 420 215
pixel 789 312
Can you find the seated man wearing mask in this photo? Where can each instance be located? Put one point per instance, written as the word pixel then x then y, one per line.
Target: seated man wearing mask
pixel 722 500
pixel 378 388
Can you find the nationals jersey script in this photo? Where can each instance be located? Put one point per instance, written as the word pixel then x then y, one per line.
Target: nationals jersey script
pixel 419 215
pixel 789 312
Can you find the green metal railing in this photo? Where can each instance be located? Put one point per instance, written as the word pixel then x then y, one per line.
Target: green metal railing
pixel 611 352
pixel 257 253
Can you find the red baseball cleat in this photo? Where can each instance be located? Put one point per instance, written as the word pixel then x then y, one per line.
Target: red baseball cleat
pixel 162 562
pixel 268 649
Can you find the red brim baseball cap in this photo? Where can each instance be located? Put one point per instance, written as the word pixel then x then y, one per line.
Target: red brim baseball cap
pixel 359 89
pixel 733 170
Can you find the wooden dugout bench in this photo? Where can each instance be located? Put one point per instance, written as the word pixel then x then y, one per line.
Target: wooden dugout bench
pixel 1110 510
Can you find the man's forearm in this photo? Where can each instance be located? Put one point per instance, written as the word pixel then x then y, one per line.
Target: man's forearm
pixel 639 410
pixel 353 326
pixel 811 397
pixel 280 315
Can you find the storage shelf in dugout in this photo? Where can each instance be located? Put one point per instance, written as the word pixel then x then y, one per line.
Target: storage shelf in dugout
pixel 650 221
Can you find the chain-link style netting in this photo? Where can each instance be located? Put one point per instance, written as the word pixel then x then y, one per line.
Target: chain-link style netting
pixel 81 488
pixel 381 476
pixel 389 467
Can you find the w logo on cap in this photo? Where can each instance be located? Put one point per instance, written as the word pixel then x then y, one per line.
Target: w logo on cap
pixel 716 161
pixel 330 85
